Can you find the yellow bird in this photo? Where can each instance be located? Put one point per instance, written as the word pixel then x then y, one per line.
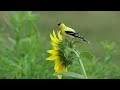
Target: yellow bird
pixel 69 33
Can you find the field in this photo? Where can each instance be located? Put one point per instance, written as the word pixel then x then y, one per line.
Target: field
pixel 25 39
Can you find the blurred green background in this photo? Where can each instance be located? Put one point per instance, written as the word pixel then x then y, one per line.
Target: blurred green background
pixel 95 26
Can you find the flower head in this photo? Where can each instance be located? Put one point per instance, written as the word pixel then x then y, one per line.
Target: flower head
pixel 58 53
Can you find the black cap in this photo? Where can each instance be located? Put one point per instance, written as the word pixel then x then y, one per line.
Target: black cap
pixel 59 24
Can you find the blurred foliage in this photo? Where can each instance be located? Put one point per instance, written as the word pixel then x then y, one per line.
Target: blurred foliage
pixel 24 40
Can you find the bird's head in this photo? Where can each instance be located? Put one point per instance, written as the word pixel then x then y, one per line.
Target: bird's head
pixel 61 25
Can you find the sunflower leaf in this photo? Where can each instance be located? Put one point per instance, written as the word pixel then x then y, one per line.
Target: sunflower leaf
pixel 71 74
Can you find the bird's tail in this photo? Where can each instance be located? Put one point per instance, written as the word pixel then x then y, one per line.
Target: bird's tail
pixel 83 39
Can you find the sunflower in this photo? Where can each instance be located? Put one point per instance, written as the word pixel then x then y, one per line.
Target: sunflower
pixel 57 54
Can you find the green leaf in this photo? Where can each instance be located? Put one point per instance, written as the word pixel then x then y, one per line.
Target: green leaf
pixel 70 74
pixel 86 54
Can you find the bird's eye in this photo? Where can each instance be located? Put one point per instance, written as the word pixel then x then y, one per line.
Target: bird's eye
pixel 59 24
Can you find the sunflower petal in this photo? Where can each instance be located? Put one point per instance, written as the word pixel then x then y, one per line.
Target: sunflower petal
pixel 53 52
pixel 59 76
pixel 55 35
pixel 54 44
pixel 59 36
pixel 57 63
pixel 61 68
pixel 53 57
pixel 56 48
pixel 53 39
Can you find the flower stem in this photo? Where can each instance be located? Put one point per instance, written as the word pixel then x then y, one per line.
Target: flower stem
pixel 81 64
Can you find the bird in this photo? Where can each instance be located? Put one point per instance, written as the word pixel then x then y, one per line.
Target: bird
pixel 70 33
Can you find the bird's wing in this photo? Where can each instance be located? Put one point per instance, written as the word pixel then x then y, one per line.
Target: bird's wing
pixel 75 34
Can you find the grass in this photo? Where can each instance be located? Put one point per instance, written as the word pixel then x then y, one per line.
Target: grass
pixel 24 40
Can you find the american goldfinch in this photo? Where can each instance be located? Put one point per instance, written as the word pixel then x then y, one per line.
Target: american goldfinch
pixel 69 33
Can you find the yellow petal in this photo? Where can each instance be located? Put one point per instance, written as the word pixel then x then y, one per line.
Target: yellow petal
pixel 53 57
pixel 61 68
pixel 56 48
pixel 56 67
pixel 59 76
pixel 55 36
pixel 53 52
pixel 53 39
pixel 59 36
pixel 54 45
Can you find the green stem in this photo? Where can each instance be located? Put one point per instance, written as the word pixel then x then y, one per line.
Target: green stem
pixel 81 64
